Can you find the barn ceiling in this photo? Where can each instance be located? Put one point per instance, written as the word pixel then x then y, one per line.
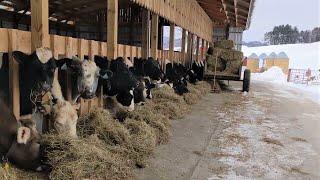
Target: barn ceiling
pixel 222 12
pixel 235 12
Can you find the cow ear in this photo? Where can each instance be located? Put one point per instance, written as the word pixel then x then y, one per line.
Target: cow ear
pixel 20 57
pixel 23 135
pixel 105 74
pixel 63 61
pixel 101 62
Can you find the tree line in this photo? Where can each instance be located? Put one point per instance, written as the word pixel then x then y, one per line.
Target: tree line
pixel 287 34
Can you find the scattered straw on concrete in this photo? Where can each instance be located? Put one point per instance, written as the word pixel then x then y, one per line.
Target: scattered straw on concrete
pixel 272 141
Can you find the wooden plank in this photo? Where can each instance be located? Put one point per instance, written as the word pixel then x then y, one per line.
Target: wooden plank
pixel 14 89
pixel 171 43
pixel 197 48
pixel 145 39
pixel 4 40
pixel 39 24
pixel 154 35
pixel 112 28
pixel 183 45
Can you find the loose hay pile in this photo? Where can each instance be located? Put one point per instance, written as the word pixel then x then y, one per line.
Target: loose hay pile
pixel 83 159
pixel 110 149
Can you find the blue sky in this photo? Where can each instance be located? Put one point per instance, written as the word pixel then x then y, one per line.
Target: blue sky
pixel 305 14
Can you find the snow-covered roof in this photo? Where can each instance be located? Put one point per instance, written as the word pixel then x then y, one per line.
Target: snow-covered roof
pixel 253 56
pixel 282 55
pixel 263 56
pixel 273 55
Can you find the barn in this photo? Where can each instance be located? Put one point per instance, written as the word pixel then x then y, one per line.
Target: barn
pixel 111 29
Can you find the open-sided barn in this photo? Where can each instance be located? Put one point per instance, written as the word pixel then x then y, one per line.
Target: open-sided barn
pixel 113 28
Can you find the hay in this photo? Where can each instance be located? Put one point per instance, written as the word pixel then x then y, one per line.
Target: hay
pixel 83 158
pixel 193 96
pixel 143 141
pixel 225 44
pixel 159 122
pixel 101 122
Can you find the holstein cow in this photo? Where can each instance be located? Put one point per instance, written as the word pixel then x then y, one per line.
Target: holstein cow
pixel 198 68
pixel 149 74
pixel 122 83
pixel 175 75
pixel 85 76
pixel 19 143
pixel 35 77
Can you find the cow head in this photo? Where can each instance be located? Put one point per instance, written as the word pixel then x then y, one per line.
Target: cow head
pixel 87 75
pixel 126 99
pixel 65 118
pixel 36 71
pixel 25 150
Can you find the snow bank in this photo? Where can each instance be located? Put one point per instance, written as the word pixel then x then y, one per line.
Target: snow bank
pixel 302 56
pixel 274 74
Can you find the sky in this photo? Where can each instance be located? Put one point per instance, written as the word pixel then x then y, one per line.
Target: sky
pixel 305 14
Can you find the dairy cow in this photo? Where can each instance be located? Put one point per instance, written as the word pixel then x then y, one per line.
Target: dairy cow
pixel 85 75
pixel 176 76
pixel 122 83
pixel 35 77
pixel 19 143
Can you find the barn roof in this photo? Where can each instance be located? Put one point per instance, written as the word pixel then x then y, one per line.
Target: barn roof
pixel 263 56
pixel 253 56
pixel 236 12
pixel 282 55
pixel 273 55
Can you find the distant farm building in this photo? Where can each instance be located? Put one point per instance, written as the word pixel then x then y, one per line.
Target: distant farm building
pixel 281 60
pixel 252 62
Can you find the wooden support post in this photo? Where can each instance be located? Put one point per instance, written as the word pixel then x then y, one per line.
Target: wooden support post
pixel 39 24
pixel 112 29
pixel 183 45
pixel 14 89
pixel 189 59
pixel 192 49
pixel 202 49
pixel 197 50
pixel 171 43
pixel 145 39
pixel 154 35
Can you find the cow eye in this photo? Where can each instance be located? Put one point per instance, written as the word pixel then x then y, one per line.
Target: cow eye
pixel 88 76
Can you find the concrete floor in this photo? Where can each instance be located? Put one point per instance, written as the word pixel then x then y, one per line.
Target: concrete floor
pixel 269 133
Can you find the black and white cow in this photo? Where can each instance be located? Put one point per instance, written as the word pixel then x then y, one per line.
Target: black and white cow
pixel 175 74
pixel 149 74
pixel 122 83
pixel 198 68
pixel 19 143
pixel 36 72
pixel 85 75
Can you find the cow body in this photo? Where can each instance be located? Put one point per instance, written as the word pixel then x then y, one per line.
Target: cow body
pixel 19 144
pixel 35 77
pixel 121 84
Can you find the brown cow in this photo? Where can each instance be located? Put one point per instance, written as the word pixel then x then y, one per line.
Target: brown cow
pixel 19 144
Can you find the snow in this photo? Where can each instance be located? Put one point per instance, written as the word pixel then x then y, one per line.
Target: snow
pixel 275 76
pixel 302 56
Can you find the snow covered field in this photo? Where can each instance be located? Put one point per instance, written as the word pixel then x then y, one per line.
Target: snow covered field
pixel 275 76
pixel 302 56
